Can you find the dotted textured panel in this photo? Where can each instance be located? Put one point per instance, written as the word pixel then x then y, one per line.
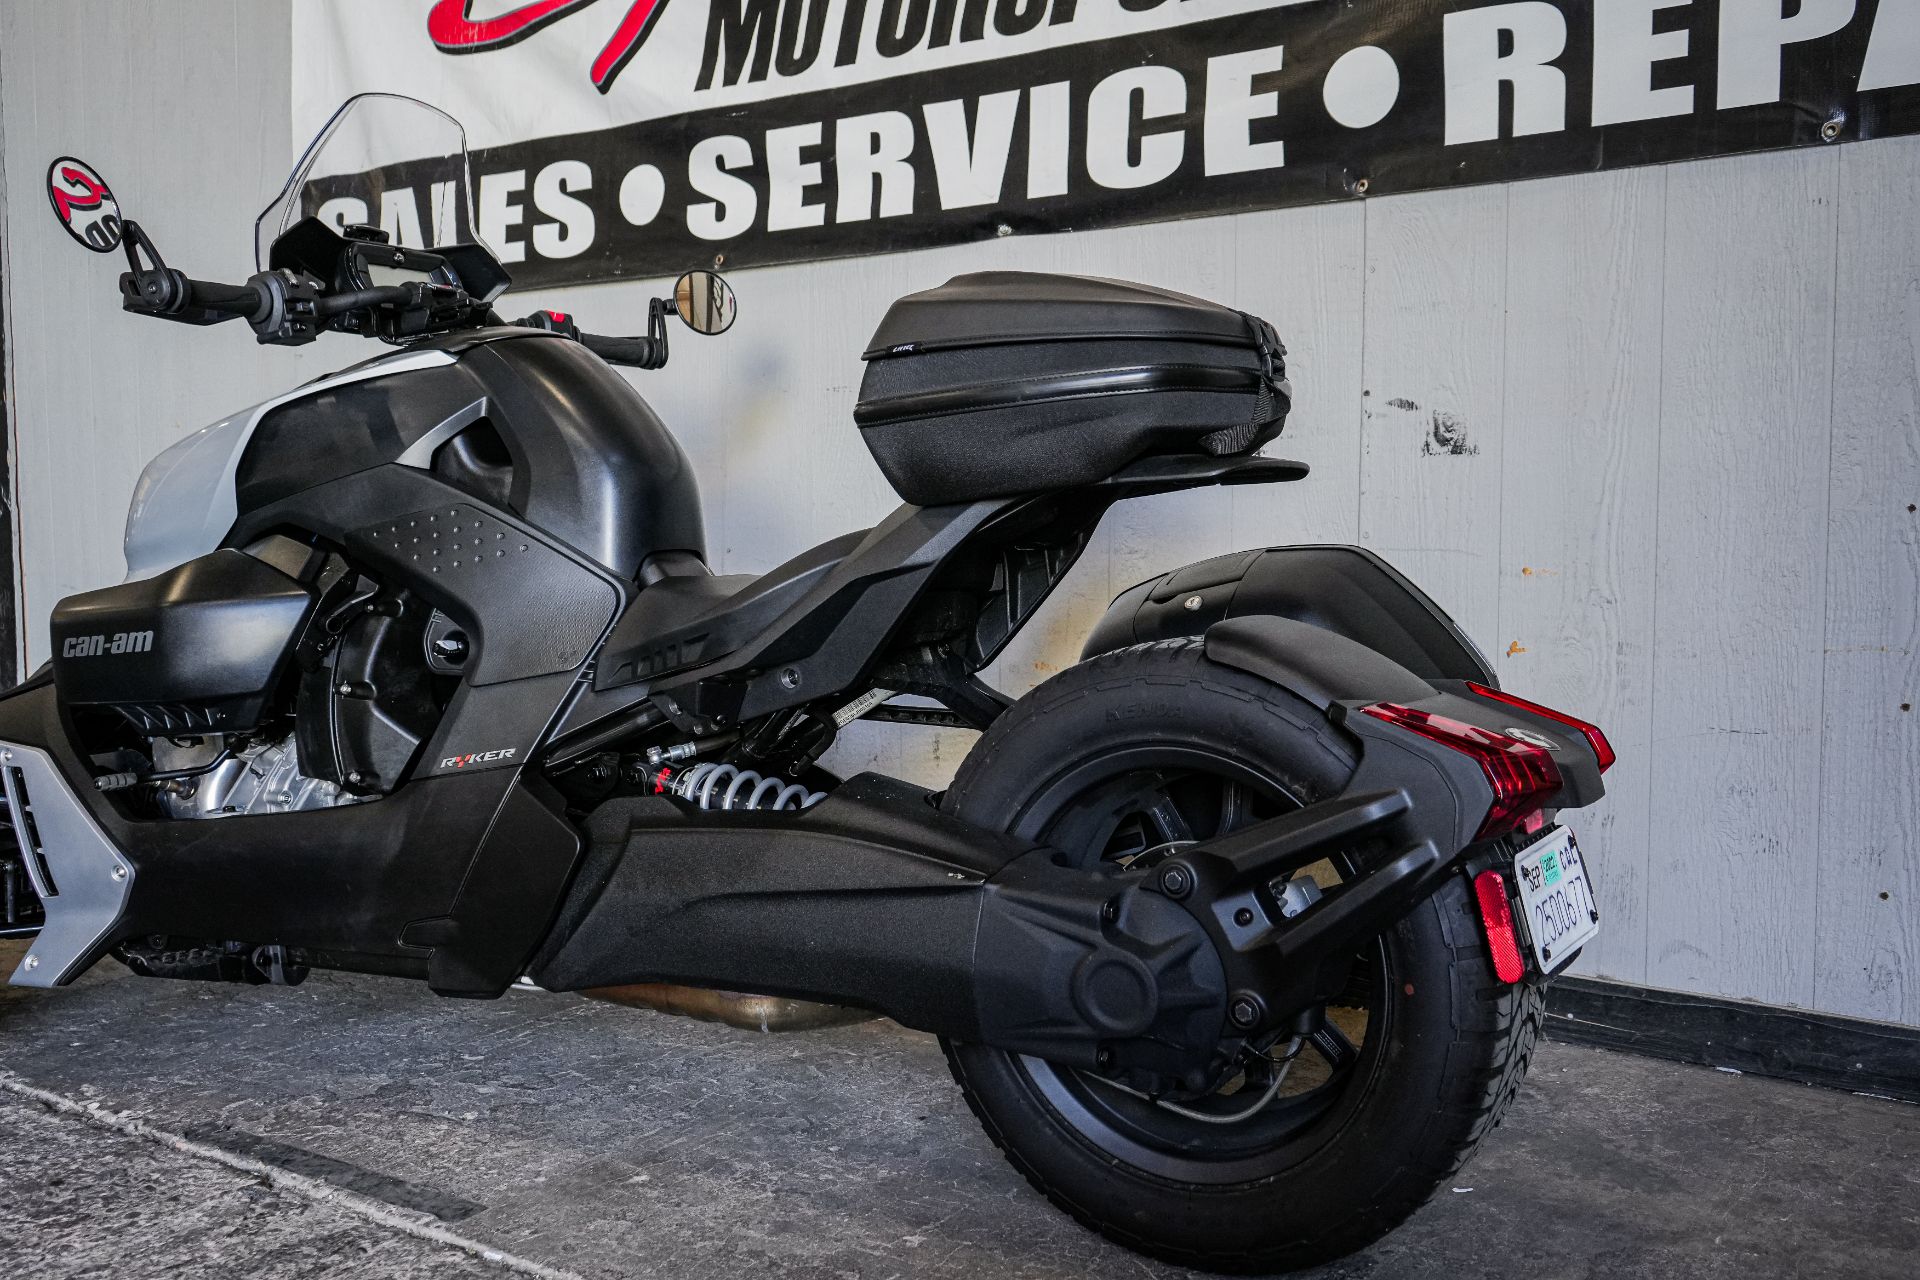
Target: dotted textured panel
pixel 537 610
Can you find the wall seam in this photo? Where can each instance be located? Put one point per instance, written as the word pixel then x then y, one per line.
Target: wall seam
pixel 1506 406
pixel 1834 188
pixel 1360 435
pixel 1653 623
pixel 10 398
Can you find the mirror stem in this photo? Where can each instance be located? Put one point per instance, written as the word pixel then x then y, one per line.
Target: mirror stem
pixel 657 332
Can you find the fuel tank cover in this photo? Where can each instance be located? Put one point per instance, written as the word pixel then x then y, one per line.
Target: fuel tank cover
pixel 195 649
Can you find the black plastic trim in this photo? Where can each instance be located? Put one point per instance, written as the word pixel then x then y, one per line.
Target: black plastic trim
pixel 1091 384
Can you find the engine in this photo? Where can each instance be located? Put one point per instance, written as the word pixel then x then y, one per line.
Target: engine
pixel 263 680
pixel 260 777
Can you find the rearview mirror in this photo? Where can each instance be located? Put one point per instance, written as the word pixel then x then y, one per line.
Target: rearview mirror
pixel 705 302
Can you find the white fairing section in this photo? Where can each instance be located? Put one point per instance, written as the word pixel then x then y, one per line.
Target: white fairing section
pixel 186 500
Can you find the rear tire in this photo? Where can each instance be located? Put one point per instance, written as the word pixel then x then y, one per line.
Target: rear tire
pixel 1446 1044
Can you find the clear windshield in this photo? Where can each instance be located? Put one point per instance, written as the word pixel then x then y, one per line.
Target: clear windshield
pixel 382 160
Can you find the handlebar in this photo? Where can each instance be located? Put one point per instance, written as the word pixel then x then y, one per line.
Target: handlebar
pixel 378 296
pixel 246 300
pixel 289 307
pixel 649 352
pixel 638 352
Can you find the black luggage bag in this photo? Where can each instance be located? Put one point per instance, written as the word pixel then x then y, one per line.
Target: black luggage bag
pixel 1009 382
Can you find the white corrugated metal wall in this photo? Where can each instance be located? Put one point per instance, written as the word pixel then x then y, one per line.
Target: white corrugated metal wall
pixel 1652 435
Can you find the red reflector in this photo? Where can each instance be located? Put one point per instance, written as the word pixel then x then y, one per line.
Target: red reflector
pixel 1522 775
pixel 1602 749
pixel 1496 912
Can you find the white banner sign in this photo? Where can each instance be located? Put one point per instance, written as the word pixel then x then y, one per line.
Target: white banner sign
pixel 618 138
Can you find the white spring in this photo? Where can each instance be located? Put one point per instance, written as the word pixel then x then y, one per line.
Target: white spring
pixel 702 785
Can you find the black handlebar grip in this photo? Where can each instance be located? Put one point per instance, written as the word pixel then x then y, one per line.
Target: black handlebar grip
pixel 237 300
pixel 632 351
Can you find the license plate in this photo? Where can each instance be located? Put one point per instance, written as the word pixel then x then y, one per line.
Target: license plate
pixel 1556 898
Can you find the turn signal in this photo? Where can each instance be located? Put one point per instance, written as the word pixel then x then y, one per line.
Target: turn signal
pixel 1522 775
pixel 1602 749
pixel 1496 912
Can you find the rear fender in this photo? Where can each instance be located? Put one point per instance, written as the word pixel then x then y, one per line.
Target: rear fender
pixel 1338 676
pixel 1346 590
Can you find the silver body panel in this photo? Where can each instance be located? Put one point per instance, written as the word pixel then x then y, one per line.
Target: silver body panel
pixel 186 499
pixel 90 880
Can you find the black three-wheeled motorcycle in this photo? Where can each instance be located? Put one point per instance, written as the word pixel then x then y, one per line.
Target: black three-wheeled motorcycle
pixel 1234 932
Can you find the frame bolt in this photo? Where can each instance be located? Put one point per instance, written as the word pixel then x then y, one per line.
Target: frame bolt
pixel 1244 1011
pixel 790 678
pixel 1176 881
pixel 1243 917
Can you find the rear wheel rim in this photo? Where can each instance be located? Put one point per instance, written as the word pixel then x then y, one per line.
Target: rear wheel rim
pixel 1141 804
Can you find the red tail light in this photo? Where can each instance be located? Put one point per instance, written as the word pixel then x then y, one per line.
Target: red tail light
pixel 1496 912
pixel 1522 775
pixel 1602 749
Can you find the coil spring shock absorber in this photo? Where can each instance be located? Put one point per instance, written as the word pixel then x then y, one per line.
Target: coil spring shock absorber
pixel 724 786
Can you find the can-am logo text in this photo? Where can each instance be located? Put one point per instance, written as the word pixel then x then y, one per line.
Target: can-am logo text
pixel 96 646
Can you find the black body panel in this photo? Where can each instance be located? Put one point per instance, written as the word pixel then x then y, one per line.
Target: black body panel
pixel 1347 590
pixel 336 431
pixel 197 648
pixel 586 459
pixel 367 703
pixel 344 883
pixel 537 609
pixel 690 618
pixel 665 895
pixel 533 606
pixel 1012 382
pixel 535 617
pixel 877 899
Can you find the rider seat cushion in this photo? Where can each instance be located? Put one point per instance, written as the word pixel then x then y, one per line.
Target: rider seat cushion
pixel 1008 382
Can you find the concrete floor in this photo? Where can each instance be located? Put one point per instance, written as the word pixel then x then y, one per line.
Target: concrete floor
pixel 552 1135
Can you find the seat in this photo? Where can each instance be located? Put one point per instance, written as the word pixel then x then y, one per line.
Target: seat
pixel 694 616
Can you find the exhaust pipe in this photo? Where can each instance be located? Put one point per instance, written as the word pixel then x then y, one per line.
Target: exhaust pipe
pixel 733 1008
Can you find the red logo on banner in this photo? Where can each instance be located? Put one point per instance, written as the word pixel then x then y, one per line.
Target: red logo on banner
pixel 83 204
pixel 453 30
